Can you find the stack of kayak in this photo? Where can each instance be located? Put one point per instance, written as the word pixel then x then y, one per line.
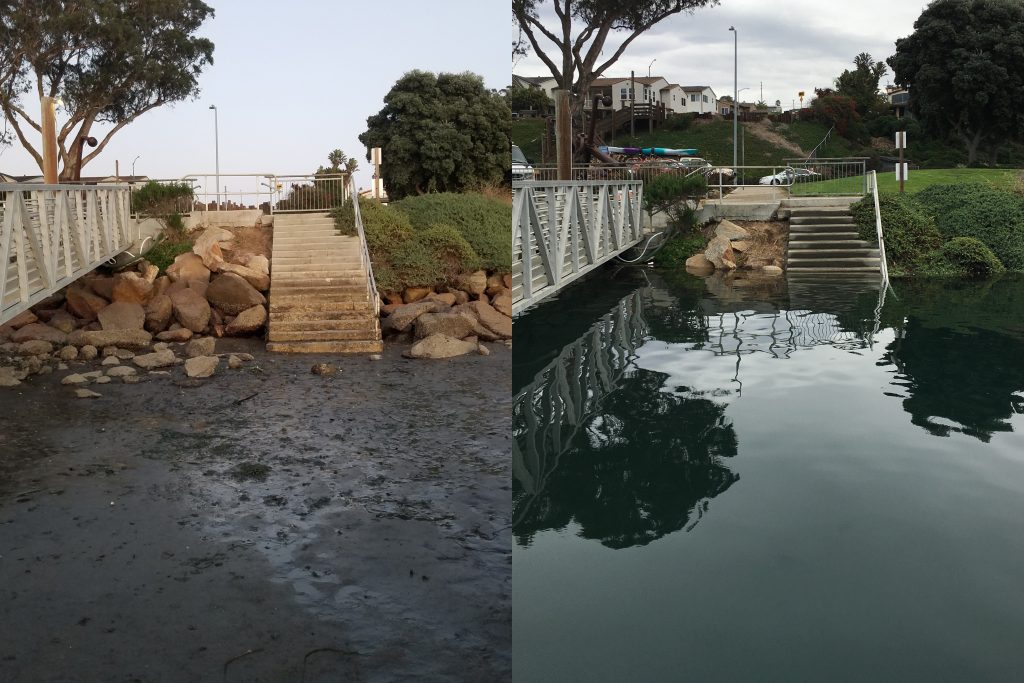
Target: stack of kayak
pixel 648 151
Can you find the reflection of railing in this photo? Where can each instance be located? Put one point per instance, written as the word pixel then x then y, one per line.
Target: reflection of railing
pixel 547 414
pixel 51 235
pixel 562 230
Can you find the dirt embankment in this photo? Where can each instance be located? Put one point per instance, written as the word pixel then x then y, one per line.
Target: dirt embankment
pixel 267 524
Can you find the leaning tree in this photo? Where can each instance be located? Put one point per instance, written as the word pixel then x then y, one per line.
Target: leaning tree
pixel 109 61
pixel 964 67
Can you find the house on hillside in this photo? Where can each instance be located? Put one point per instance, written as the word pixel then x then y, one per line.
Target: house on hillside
pixel 898 99
pixel 86 180
pixel 648 91
pixel 543 83
pixel 674 98
pixel 700 99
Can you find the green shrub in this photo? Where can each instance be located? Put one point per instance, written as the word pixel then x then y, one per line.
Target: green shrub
pixel 163 254
pixel 678 249
pixel 675 195
pixel 162 199
pixel 909 233
pixel 971 258
pixel 345 219
pixel 452 253
pixel 485 223
pixel 992 215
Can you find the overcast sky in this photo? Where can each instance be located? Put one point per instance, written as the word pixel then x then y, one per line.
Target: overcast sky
pixel 294 80
pixel 787 46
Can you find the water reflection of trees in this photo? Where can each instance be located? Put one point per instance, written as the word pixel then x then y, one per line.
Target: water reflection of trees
pixel 645 466
pixel 959 354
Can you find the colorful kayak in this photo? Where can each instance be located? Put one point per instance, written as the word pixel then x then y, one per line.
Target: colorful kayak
pixel 667 151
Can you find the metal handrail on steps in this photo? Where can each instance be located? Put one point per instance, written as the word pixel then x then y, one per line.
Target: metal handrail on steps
pixel 873 188
pixel 371 283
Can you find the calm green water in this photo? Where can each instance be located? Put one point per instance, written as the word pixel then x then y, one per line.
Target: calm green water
pixel 769 481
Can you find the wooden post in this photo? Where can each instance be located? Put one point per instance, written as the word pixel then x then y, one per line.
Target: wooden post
pixel 632 104
pixel 563 134
pixel 377 183
pixel 49 125
pixel 901 170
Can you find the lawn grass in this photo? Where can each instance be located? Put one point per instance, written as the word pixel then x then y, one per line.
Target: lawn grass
pixel 918 180
pixel 527 133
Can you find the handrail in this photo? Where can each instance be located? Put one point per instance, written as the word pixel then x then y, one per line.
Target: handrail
pixel 371 283
pixel 823 141
pixel 878 231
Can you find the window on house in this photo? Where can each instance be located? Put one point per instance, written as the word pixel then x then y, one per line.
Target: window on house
pixel 693 98
pixel 705 98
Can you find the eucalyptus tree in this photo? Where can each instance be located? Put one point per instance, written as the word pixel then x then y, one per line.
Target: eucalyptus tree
pixel 108 61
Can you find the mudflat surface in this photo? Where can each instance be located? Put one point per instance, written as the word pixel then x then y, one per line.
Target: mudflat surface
pixel 139 543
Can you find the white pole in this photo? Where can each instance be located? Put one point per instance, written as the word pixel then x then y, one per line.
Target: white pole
pixel 216 151
pixel 735 95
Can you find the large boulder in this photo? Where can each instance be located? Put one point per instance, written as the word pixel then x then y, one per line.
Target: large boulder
pixel 126 339
pixel 122 315
pixel 448 324
pixel 699 264
pixel 102 286
pixel 402 318
pixel 232 294
pixel 474 283
pixel 130 287
pixel 208 247
pixel 22 319
pixel 85 304
pixel 158 313
pixel 188 267
pixel 440 346
pixel 259 263
pixel 190 309
pixel 731 231
pixel 157 359
pixel 414 294
pixel 248 321
pixel 39 331
pixel 260 281
pixel 719 253
pixel 201 366
pixel 63 321
pixel 495 322
pixel 502 302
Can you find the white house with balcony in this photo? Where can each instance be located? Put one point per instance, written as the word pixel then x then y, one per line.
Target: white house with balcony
pixel 674 98
pixel 546 84
pixel 700 99
pixel 648 90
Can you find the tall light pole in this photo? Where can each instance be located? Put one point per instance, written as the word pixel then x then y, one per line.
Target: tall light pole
pixel 133 165
pixel 216 150
pixel 650 65
pixel 735 94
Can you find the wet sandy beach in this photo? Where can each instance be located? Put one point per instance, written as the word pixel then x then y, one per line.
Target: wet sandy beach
pixel 266 524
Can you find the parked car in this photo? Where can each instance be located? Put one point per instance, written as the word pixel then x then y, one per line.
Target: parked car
pixel 788 176
pixel 521 167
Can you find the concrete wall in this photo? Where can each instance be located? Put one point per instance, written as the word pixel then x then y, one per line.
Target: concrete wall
pixel 223 219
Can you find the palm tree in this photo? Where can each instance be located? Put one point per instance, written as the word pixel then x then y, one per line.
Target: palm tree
pixel 337 158
pixel 351 165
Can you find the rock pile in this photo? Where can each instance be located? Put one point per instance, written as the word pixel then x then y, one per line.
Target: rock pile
pixel 758 246
pixel 451 321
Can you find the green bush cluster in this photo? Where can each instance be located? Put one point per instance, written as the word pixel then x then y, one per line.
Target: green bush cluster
pixel 675 195
pixel 679 248
pixel 162 199
pixel 991 215
pixel 910 234
pixel 164 253
pixel 959 229
pixel 418 246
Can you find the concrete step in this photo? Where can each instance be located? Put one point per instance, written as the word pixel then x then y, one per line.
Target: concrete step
pixel 829 236
pixel 846 270
pixel 291 243
pixel 322 335
pixel 324 313
pixel 352 346
pixel 814 254
pixel 304 308
pixel 819 210
pixel 823 227
pixel 326 231
pixel 835 263
pixel 829 244
pixel 320 270
pixel 284 283
pixel 347 260
pixel 357 321
pixel 293 297
pixel 817 219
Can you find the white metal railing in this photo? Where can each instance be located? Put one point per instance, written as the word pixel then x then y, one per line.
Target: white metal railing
pixel 873 189
pixel 51 235
pixel 371 283
pixel 842 176
pixel 564 229
pixel 276 193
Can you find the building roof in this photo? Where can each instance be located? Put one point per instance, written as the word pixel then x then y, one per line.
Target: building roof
pixel 672 85
pixel 536 80
pixel 696 88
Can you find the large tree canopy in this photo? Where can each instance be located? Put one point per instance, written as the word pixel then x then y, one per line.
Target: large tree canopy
pixel 571 46
pixel 964 66
pixel 443 133
pixel 861 84
pixel 109 61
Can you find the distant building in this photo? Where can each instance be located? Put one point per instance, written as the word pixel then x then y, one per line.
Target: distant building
pixel 898 99
pixel 700 99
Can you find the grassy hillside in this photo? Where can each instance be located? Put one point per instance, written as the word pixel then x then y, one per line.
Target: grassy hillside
pixel 527 134
pixel 918 180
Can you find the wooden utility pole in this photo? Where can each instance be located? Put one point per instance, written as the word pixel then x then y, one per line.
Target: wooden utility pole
pixel 377 190
pixel 49 125
pixel 901 170
pixel 632 104
pixel 563 133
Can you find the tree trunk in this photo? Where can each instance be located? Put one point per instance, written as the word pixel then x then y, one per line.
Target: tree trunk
pixel 972 147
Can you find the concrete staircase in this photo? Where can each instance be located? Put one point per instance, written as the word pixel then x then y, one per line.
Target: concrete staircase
pixel 319 302
pixel 824 239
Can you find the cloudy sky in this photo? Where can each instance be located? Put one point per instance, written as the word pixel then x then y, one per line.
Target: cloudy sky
pixel 294 80
pixel 786 45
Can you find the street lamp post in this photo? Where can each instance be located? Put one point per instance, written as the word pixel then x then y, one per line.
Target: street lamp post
pixel 133 166
pixel 216 150
pixel 650 65
pixel 735 95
